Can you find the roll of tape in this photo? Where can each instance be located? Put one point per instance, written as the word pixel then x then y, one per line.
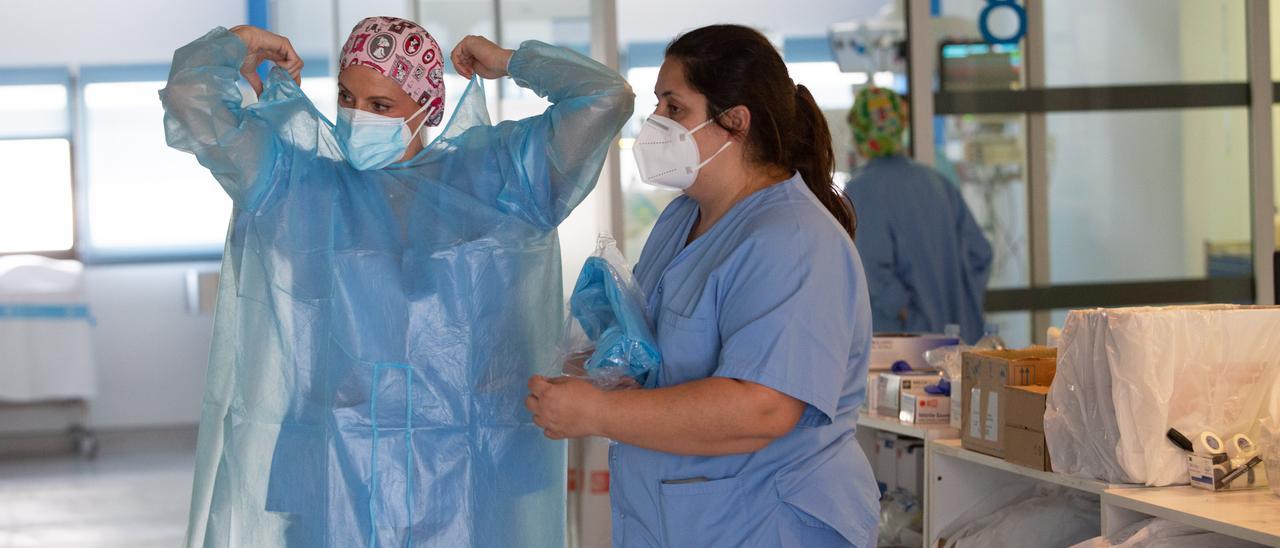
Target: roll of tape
pixel 1208 443
pixel 1241 447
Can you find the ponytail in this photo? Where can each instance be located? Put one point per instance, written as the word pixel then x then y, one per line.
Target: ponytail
pixel 812 156
pixel 734 65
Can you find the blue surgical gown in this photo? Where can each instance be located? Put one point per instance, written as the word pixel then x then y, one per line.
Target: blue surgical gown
pixel 375 330
pixel 922 248
pixel 773 294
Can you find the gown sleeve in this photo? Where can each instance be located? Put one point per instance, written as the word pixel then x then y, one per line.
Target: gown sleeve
pixel 541 167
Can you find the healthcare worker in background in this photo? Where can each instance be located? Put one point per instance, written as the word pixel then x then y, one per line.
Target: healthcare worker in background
pixel 757 298
pixel 385 298
pixel 927 260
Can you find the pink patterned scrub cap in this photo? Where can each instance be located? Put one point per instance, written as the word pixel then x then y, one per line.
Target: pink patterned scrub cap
pixel 404 52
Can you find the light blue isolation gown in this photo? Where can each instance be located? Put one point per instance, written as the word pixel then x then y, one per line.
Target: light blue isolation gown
pixel 375 330
pixel 923 250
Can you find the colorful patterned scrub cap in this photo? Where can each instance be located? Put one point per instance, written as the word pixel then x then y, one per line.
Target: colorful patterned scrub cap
pixel 404 52
pixel 878 117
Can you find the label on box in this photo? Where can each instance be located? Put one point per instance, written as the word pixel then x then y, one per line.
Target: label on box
pixel 1204 473
pixel 872 403
pixel 957 410
pixel 925 409
pixel 1200 470
pixel 975 411
pixel 992 432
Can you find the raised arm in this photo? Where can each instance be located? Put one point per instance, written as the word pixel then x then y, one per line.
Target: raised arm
pixel 203 113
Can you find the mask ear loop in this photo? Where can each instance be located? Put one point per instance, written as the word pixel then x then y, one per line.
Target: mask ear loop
pixel 722 147
pixel 421 125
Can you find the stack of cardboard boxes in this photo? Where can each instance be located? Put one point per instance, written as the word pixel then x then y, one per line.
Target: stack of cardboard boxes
pixel 1003 399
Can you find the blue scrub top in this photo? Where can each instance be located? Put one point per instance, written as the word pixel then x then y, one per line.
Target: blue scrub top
pixel 923 249
pixel 773 294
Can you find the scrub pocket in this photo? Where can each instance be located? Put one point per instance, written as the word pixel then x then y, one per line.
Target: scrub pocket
pixel 698 514
pixel 690 348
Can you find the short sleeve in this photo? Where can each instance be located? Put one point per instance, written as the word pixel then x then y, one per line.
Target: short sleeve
pixel 787 315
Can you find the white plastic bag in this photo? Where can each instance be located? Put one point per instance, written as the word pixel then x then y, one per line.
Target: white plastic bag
pixel 1125 376
pixel 1050 516
pixel 1269 450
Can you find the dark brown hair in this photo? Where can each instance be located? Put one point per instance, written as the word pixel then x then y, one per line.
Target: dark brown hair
pixel 735 65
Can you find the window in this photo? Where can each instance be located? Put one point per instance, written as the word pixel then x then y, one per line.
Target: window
pixel 35 195
pixel 1169 186
pixel 36 202
pixel 143 197
pixel 1135 117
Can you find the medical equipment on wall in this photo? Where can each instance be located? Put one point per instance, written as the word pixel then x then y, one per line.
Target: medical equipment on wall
pixel 986 154
pixel 874 45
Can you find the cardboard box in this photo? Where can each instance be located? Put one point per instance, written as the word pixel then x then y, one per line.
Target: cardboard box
pixel 892 386
pixel 1026 448
pixel 1026 406
pixel 1024 427
pixel 924 409
pixel 985 375
pixel 887 348
pixel 957 406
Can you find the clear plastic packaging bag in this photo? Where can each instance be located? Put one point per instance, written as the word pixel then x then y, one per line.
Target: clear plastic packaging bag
pixel 947 360
pixel 901 520
pixel 607 339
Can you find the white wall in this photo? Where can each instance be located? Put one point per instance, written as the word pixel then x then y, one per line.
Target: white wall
pixel 84 32
pixel 662 20
pixel 150 353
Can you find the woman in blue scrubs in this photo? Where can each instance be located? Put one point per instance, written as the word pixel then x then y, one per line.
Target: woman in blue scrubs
pixel 758 300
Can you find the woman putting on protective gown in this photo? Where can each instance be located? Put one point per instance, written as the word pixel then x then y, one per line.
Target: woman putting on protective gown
pixel 383 299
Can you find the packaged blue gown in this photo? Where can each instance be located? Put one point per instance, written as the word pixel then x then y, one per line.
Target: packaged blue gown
pixel 375 330
pixel 609 306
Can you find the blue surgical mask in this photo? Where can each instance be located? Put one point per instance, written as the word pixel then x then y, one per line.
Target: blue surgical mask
pixel 372 141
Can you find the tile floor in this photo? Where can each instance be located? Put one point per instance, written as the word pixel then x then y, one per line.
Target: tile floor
pixel 127 497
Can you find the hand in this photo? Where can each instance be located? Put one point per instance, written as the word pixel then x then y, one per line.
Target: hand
pixel 565 407
pixel 264 45
pixel 478 55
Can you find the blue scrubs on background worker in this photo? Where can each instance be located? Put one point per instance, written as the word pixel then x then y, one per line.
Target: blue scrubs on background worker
pixel 927 259
pixel 752 299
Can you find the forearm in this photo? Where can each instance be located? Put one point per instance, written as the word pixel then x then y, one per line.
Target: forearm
pixel 707 417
